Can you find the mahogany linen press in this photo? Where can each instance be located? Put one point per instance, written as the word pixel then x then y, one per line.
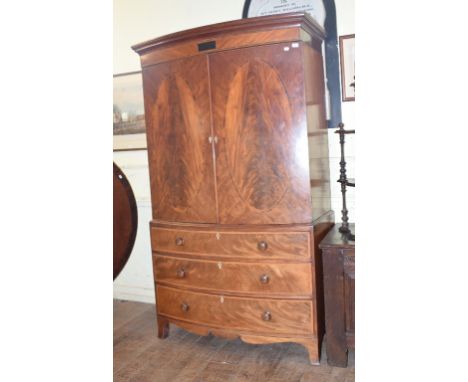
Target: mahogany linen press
pixel 240 185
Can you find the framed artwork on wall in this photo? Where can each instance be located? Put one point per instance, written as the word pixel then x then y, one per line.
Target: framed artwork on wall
pixel 348 80
pixel 254 8
pixel 128 112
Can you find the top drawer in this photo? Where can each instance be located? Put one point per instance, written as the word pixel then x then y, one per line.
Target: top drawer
pixel 255 245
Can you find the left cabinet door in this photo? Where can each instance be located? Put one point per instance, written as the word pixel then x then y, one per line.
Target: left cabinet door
pixel 177 108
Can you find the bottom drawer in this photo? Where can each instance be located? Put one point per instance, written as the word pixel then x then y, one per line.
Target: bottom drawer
pixel 243 314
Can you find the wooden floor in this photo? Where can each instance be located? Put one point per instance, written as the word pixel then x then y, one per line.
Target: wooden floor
pixel 140 356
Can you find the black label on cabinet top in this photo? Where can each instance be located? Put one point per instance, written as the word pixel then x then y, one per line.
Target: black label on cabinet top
pixel 207 45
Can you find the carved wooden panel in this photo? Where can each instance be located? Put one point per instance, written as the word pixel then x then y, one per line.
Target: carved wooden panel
pixel 286 280
pixel 259 119
pixel 178 128
pixel 246 314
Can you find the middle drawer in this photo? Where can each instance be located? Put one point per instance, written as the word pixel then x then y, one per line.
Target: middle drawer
pixel 282 279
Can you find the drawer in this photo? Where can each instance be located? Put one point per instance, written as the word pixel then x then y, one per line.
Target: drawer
pixel 255 278
pixel 243 314
pixel 272 245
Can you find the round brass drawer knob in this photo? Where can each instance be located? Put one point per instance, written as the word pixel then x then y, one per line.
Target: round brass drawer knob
pixel 262 245
pixel 185 307
pixel 266 316
pixel 264 279
pixel 179 241
pixel 181 273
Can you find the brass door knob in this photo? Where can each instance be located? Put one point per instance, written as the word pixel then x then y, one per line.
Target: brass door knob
pixel 264 279
pixel 179 241
pixel 185 307
pixel 262 245
pixel 266 316
pixel 181 273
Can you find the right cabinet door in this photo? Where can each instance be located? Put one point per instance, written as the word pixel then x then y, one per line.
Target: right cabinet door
pixel 258 107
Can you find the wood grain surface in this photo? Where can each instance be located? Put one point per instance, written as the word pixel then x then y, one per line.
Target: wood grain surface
pixel 177 111
pixel 259 119
pixel 125 220
pixel 239 192
pixel 223 43
pixel 287 280
pixel 236 313
pixel 310 343
pixel 224 243
pixel 231 35
pixel 339 281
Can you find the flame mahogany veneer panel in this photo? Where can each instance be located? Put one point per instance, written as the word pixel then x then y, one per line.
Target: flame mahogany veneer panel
pixel 177 107
pixel 259 119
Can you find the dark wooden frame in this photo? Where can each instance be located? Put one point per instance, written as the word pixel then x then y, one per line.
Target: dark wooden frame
pixel 343 96
pixel 245 10
pixel 125 254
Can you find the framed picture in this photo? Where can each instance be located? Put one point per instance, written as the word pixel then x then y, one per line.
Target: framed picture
pixel 129 112
pixel 254 8
pixel 347 67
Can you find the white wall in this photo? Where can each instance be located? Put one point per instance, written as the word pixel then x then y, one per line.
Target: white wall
pixel 139 20
pixel 345 25
pixel 135 282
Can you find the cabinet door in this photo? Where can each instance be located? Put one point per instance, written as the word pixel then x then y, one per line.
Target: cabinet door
pixel 177 107
pixel 259 119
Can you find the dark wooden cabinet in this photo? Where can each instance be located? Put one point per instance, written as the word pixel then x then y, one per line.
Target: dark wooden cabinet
pixel 238 158
pixel 338 271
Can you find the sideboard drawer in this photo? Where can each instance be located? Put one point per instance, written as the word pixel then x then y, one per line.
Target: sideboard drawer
pixel 246 314
pixel 255 278
pixel 265 245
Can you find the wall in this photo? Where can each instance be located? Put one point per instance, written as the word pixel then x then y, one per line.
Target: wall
pixel 137 21
pixel 345 25
pixel 140 20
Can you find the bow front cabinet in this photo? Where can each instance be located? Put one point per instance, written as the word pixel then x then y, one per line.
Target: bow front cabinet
pixel 238 161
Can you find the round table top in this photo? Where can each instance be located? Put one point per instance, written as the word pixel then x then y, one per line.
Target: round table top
pixel 125 220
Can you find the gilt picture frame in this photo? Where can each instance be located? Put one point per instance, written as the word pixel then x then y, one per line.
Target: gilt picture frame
pixel 129 130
